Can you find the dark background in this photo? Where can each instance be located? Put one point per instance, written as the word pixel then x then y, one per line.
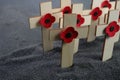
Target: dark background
pixel 22 58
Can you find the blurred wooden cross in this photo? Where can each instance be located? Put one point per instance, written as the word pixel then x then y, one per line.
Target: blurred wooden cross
pixel 46 7
pixel 111 33
pixel 68 50
pixel 101 19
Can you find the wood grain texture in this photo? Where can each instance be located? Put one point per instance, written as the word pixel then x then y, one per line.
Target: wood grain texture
pixel 96 3
pixel 82 32
pixel 68 49
pixel 65 3
pixel 109 41
pixel 45 8
pixel 77 8
pixel 91 32
pixel 54 34
pixel 33 22
pixel 67 54
pixel 118 4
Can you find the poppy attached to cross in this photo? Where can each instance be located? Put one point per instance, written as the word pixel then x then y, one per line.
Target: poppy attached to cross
pixel 111 33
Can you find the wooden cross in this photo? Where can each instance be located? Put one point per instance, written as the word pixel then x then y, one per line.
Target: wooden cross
pixel 101 20
pixel 68 49
pixel 45 7
pixel 109 41
pixel 78 9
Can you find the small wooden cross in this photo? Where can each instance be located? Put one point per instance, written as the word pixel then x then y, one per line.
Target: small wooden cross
pixel 78 9
pixel 46 7
pixel 68 50
pixel 109 41
pixel 101 20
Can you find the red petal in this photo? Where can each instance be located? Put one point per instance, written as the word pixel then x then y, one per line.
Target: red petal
pixel 106 3
pixel 68 9
pixel 62 34
pixel 111 34
pixel 81 20
pixel 52 19
pixel 68 40
pixel 117 28
pixel 69 29
pixel 97 9
pixel 75 34
pixel 42 20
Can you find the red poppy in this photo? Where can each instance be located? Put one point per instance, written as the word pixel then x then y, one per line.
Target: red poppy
pixel 68 34
pixel 112 28
pixel 95 13
pixel 106 4
pixel 67 10
pixel 47 20
pixel 80 20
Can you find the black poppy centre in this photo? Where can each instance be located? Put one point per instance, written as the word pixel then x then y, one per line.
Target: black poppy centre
pixel 78 21
pixel 112 28
pixel 68 35
pixel 66 12
pixel 47 21
pixel 105 6
pixel 95 13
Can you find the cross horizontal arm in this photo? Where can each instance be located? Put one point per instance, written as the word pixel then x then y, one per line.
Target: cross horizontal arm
pixel 33 21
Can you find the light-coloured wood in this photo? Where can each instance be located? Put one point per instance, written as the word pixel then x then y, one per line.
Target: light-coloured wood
pixel 86 12
pixel 108 49
pixel 118 4
pixel 109 41
pixel 61 23
pixel 100 30
pixel 96 3
pixel 68 49
pixel 65 3
pixel 77 8
pixel 56 10
pixel 54 34
pixel 70 20
pixel 33 22
pixel 113 15
pixel 45 8
pixel 57 16
pixel 113 5
pixel 91 32
pixel 103 16
pixel 82 32
pixel 87 20
pixel 67 54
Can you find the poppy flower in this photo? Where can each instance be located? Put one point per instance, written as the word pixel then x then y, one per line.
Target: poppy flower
pixel 47 20
pixel 67 10
pixel 95 13
pixel 68 34
pixel 112 28
pixel 106 4
pixel 80 20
